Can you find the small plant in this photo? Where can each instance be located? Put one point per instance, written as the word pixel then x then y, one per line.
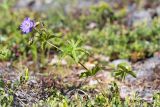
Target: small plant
pixel 122 70
pixel 6 96
pixel 72 48
pixel 5 54
pixel 7 90
pixel 24 78
pixel 56 99
pixel 156 99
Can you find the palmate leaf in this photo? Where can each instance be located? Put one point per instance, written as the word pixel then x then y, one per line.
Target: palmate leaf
pixel 74 50
pixel 127 69
pixel 123 70
pixel 74 55
pixel 91 72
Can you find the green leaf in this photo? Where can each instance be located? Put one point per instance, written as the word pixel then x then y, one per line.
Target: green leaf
pixel 21 79
pixel 5 53
pixel 26 75
pixel 1 83
pixel 74 50
pixel 123 70
pixel 127 69
pixel 43 45
pixel 91 72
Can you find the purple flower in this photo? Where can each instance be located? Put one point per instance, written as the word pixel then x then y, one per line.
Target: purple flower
pixel 27 25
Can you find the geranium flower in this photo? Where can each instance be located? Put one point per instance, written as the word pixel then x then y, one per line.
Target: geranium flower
pixel 27 25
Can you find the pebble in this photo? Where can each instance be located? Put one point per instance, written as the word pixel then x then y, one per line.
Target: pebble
pixel 118 61
pixel 139 17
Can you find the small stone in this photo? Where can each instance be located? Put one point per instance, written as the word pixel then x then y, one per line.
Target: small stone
pixel 101 58
pixel 89 65
pixel 88 47
pixel 93 82
pixel 56 60
pixel 124 92
pixel 118 61
pixel 92 25
pixel 139 17
pixel 158 10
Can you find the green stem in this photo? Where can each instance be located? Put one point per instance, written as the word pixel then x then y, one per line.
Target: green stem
pixel 54 46
pixel 102 89
pixel 83 66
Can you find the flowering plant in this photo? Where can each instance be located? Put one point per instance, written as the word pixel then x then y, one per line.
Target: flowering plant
pixel 72 48
pixel 42 35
